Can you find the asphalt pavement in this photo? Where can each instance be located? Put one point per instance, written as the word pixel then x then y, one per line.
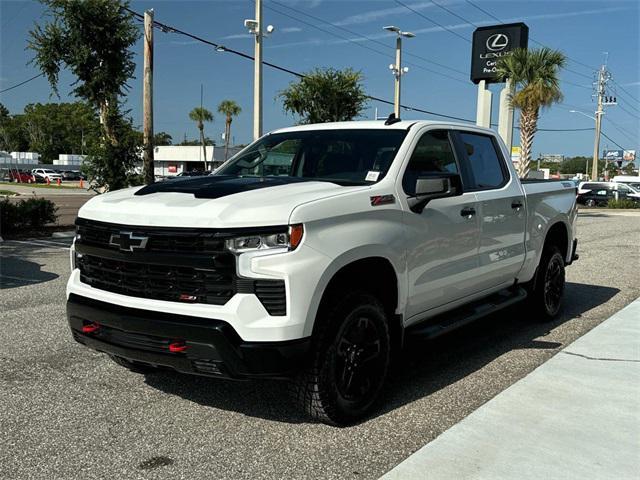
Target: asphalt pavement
pixel 68 412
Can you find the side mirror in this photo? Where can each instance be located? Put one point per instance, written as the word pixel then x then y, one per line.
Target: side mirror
pixel 438 185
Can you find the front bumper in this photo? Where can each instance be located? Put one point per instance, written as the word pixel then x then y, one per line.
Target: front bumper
pixel 212 347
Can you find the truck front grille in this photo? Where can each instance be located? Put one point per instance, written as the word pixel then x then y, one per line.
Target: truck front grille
pixel 160 282
pixel 179 265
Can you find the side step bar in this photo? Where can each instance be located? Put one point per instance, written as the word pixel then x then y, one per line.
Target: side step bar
pixel 446 322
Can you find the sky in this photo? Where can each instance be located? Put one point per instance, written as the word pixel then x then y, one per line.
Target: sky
pixel 325 33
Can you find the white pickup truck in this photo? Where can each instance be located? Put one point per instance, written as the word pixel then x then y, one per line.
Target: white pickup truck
pixel 314 252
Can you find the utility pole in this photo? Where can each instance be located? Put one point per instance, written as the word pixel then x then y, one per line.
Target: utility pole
pixel 255 27
pixel 397 68
pixel 596 141
pixel 147 102
pixel 603 77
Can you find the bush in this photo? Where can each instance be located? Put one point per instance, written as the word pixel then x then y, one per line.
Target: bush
pixel 623 203
pixel 31 213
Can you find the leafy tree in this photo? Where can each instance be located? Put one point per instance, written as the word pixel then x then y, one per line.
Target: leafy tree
pixel 229 109
pixel 4 113
pixel 112 165
pixel 534 74
pixel 191 143
pixel 201 115
pixel 13 134
pixel 92 39
pixel 162 138
pixel 629 168
pixel 326 95
pixel 56 128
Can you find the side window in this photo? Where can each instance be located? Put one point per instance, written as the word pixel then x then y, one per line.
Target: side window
pixel 433 154
pixel 484 160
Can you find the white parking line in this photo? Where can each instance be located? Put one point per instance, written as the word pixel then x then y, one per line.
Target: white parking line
pixel 40 243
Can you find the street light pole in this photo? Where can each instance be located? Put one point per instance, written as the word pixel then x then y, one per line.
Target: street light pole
pixel 396 96
pixel 397 68
pixel 255 27
pixel 257 75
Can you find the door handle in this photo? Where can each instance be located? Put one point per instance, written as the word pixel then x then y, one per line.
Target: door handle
pixel 468 212
pixel 516 204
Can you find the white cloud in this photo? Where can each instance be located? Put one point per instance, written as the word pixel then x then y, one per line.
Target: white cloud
pixel 372 15
pixel 631 84
pixel 458 26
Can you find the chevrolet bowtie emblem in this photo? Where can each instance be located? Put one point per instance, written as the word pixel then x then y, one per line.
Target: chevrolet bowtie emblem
pixel 128 242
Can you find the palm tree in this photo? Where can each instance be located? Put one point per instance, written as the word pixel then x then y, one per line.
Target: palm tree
pixel 201 115
pixel 534 76
pixel 229 109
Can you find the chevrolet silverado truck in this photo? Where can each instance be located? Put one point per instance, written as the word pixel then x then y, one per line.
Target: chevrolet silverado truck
pixel 314 252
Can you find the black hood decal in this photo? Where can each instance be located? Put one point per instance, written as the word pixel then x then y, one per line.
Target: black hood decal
pixel 217 186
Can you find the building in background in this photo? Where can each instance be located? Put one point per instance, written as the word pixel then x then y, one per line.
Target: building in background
pixel 171 160
pixel 25 158
pixel 72 161
pixel 551 157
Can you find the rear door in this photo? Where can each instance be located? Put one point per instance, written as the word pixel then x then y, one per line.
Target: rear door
pixel 501 212
pixel 442 240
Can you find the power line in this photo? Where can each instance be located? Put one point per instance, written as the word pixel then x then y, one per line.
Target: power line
pixel 625 91
pixel 351 32
pixel 623 131
pixel 22 83
pixel 219 47
pixel 442 7
pixel 433 21
pixel 362 45
pixel 627 111
pixel 611 140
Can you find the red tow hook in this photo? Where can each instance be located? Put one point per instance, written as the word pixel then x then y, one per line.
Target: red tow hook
pixel 90 328
pixel 177 347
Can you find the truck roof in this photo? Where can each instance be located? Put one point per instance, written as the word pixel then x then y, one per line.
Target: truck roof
pixel 379 124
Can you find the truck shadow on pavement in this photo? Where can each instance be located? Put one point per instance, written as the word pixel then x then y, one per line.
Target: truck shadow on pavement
pixel 17 272
pixel 421 370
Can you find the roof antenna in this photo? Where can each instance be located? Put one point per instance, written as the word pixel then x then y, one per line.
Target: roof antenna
pixel 391 119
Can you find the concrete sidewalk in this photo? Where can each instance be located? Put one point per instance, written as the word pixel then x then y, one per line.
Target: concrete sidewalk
pixel 575 417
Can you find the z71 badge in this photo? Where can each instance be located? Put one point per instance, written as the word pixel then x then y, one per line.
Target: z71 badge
pixel 382 200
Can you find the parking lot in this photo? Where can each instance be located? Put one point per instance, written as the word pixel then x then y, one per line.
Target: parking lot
pixel 67 412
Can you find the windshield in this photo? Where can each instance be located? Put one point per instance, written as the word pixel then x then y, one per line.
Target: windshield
pixel 345 157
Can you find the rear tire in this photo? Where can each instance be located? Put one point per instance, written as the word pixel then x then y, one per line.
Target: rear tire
pixel 547 289
pixel 349 362
pixel 133 366
pixel 590 203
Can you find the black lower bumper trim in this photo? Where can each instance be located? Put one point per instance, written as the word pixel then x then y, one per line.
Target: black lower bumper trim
pixel 212 347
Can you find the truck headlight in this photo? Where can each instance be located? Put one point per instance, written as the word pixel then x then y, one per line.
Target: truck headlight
pixel 283 240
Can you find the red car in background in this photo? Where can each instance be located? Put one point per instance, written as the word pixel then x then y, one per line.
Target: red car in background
pixel 20 176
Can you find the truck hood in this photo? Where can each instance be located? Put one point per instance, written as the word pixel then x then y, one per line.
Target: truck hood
pixel 211 202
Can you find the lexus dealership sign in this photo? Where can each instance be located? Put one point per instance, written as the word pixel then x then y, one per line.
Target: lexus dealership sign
pixel 491 43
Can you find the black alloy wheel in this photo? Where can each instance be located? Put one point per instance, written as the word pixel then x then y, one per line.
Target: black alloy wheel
pixel 349 361
pixel 554 284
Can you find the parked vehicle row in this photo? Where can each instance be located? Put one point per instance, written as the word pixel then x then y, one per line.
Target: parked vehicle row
pixel 40 175
pixel 598 194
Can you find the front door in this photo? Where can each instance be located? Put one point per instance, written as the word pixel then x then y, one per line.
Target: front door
pixel 442 241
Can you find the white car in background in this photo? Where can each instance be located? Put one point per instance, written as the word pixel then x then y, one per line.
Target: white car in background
pixel 43 174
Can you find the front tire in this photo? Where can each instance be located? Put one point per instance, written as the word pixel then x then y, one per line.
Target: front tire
pixel 590 203
pixel 349 364
pixel 546 292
